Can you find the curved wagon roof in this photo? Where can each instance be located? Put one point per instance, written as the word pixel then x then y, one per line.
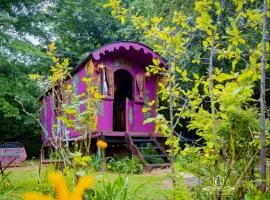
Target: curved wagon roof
pixel 122 46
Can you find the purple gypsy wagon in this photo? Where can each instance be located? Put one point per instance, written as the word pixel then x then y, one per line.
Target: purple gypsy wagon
pixel 121 69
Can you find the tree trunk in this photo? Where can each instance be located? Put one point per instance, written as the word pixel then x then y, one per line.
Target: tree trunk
pixel 262 102
pixel 172 157
pixel 211 83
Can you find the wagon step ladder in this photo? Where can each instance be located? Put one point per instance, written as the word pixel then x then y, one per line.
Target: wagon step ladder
pixel 147 149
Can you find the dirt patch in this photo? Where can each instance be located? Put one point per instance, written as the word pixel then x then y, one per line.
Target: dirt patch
pixel 167 184
pixel 25 166
pixel 189 182
pixel 158 172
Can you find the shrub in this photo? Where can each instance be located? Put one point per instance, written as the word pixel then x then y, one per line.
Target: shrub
pixel 80 160
pixel 125 165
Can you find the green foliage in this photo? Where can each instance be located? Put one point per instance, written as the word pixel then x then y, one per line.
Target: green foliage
pixel 45 188
pixel 83 26
pixel 54 155
pixel 80 160
pixel 254 193
pixel 18 57
pixel 95 162
pixel 109 190
pixel 6 188
pixel 17 26
pixel 15 124
pixel 125 165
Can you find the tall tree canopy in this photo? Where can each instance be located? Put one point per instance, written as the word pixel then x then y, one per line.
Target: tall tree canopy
pixel 82 26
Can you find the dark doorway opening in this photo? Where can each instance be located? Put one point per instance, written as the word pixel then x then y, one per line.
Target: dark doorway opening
pixel 122 90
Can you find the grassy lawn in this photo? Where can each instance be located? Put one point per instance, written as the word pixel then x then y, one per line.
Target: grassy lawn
pixel 152 186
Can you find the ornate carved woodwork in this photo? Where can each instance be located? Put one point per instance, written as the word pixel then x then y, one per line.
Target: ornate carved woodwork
pixel 140 81
pixel 110 82
pixel 106 77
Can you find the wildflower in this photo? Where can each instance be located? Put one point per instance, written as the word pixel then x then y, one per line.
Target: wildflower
pixel 83 184
pixel 60 186
pixel 102 144
pixel 61 190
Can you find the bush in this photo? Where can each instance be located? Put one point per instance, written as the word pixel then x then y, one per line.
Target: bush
pixel 125 165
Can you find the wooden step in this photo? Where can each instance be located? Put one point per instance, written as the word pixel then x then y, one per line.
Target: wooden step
pixel 164 165
pixel 149 156
pixel 142 148
pixel 48 161
pixel 142 140
pixel 158 158
pixel 115 140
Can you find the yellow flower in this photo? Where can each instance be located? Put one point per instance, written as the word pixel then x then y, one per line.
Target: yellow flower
pixel 69 86
pixel 61 190
pixel 55 59
pixel 52 47
pixel 102 144
pixel 83 184
pixel 60 185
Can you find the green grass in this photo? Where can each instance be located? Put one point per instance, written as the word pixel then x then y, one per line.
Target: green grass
pixel 150 186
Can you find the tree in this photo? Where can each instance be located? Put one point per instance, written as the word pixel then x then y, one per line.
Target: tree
pixel 219 103
pixel 18 57
pixel 80 27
